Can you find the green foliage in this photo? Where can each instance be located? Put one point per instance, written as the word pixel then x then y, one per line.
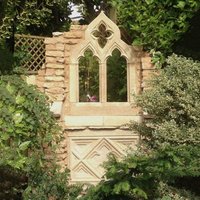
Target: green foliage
pixel 24 120
pixel 53 183
pixel 155 24
pixel 34 17
pixel 170 145
pixel 28 132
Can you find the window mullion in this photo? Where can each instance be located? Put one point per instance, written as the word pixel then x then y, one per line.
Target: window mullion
pixel 103 85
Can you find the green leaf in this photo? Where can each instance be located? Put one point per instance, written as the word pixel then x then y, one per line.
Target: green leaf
pixel 23 146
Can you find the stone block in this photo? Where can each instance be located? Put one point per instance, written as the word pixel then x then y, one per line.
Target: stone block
pixel 60 72
pixel 49 41
pixel 61 60
pixel 71 41
pixel 40 84
pixel 55 90
pixel 73 35
pixel 60 47
pixel 56 108
pixel 50 71
pixel 55 53
pixel 41 72
pixel 55 97
pixel 78 27
pixel 83 120
pixel 50 59
pixel 50 47
pixel 54 78
pixel 120 120
pixel 146 63
pixel 55 65
pixel 53 40
pixel 54 84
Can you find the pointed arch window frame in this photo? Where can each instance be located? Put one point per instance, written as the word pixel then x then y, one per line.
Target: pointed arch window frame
pixel 113 42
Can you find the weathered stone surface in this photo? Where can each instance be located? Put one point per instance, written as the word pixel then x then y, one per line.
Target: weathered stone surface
pixel 55 53
pixel 54 78
pixel 60 47
pixel 54 40
pixel 50 71
pixel 50 47
pixel 60 72
pixel 61 60
pixel 146 63
pixel 55 90
pixel 41 72
pixel 50 59
pixel 56 107
pixel 55 65
pixel 54 84
pixel 73 35
pixel 72 41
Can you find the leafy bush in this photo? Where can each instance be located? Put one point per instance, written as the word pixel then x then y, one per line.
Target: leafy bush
pixel 29 135
pixel 155 24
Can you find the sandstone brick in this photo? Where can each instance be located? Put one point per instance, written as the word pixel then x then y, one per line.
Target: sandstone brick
pixel 60 47
pixel 50 71
pixel 49 41
pixel 55 90
pixel 69 35
pixel 41 89
pixel 55 53
pixel 60 60
pixel 55 65
pixel 40 78
pixel 55 97
pixel 78 27
pixel 54 78
pixel 56 107
pixel 40 84
pixel 51 59
pixel 73 35
pixel 41 72
pixel 72 41
pixel 54 84
pixel 146 63
pixel 54 40
pixel 59 72
pixel 50 47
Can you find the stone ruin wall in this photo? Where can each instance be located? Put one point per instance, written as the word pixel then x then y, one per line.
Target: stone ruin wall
pixel 53 78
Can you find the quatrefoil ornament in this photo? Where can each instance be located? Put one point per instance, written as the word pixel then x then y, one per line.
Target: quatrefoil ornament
pixel 102 35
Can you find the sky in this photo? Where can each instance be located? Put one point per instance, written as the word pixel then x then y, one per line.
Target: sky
pixel 75 14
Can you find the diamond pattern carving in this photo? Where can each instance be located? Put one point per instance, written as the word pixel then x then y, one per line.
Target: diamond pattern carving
pixel 87 155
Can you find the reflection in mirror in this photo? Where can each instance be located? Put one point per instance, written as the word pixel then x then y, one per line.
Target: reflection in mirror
pixel 116 78
pixel 88 78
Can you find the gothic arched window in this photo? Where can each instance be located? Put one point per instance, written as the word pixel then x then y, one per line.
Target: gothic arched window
pixel 88 77
pixel 116 78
